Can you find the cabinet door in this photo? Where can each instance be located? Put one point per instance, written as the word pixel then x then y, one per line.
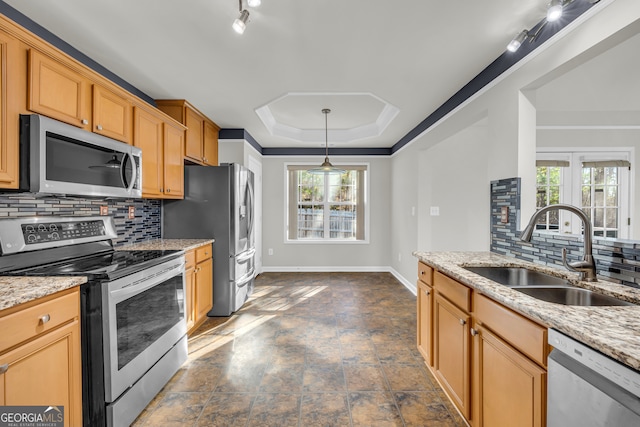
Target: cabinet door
pixel 148 136
pixel 195 129
pixel 204 289
pixel 111 114
pixel 425 321
pixel 210 144
pixel 57 91
pixel 510 388
pixel 173 161
pixel 46 372
pixel 9 91
pixel 452 356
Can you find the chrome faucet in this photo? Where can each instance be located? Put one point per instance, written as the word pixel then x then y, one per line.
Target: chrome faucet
pixel 586 267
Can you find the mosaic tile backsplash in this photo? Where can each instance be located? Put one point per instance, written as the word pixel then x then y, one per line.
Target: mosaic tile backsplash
pixel 617 260
pixel 145 226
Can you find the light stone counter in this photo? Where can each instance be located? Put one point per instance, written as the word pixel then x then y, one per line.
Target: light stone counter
pixel 18 290
pixel 613 330
pixel 165 245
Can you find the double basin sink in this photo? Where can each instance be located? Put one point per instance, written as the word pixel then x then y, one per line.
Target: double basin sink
pixel 545 287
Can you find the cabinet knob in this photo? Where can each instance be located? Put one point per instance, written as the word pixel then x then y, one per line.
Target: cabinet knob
pixel 168 190
pixel 4 368
pixel 473 332
pixel 99 127
pixel 463 322
pixel 422 273
pixel 44 319
pixel 161 190
pixel 84 121
pixel 426 293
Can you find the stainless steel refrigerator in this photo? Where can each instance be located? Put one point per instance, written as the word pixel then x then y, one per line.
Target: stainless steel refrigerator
pixel 218 203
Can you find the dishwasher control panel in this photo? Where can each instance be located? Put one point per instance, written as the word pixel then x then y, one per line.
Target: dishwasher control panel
pixel 623 376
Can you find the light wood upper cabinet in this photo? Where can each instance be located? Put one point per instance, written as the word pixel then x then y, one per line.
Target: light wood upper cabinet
pixel 9 110
pixel 210 144
pixel 162 144
pixel 173 161
pixel 57 91
pixel 201 143
pixel 111 114
pixel 40 361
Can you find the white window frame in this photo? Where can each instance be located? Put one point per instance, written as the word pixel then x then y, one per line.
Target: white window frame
pixel 328 240
pixel 571 180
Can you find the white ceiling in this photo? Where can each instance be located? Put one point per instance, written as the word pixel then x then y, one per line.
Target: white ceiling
pixel 410 54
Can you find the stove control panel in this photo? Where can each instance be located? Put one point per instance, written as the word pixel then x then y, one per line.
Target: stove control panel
pixel 58 231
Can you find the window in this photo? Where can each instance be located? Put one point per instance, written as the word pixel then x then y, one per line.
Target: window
pixel 326 207
pixel 596 181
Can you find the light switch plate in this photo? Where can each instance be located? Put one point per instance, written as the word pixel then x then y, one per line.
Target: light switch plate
pixel 132 212
pixel 435 210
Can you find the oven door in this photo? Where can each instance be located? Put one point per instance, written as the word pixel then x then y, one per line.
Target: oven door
pixel 143 318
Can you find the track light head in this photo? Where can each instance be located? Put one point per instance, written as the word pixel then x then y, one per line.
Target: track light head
pixel 554 12
pixel 517 41
pixel 240 24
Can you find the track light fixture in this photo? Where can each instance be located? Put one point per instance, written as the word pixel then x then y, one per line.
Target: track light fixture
pixel 554 12
pixel 240 24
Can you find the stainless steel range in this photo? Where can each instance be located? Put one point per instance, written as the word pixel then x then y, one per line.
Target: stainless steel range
pixel 132 308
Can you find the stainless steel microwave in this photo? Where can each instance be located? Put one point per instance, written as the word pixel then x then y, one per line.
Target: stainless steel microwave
pixel 57 158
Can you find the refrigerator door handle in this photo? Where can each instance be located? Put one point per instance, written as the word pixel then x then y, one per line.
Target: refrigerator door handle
pixel 246 279
pixel 245 255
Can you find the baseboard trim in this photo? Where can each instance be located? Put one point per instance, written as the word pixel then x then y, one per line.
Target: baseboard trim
pixel 344 269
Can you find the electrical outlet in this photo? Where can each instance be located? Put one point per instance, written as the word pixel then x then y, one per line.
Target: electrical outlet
pixel 270 251
pixel 435 210
pixel 132 212
pixel 104 210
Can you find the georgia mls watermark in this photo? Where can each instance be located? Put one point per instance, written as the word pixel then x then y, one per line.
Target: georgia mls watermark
pixel 31 416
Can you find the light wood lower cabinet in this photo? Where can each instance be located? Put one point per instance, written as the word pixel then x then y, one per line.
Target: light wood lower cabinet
pixel 508 387
pixel 489 360
pixel 40 361
pixel 452 356
pixel 199 283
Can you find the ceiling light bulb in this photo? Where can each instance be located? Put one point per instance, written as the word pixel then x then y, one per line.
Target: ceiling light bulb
pixel 240 23
pixel 254 3
pixel 517 41
pixel 554 12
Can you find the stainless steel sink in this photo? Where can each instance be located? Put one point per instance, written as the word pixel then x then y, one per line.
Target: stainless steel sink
pixel 517 276
pixel 571 296
pixel 545 287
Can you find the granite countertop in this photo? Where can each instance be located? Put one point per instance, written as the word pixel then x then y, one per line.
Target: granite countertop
pixel 166 244
pixel 18 290
pixel 613 330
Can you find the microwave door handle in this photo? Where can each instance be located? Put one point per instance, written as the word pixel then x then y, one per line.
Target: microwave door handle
pixel 134 172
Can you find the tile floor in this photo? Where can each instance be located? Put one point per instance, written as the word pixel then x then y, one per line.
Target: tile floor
pixel 308 349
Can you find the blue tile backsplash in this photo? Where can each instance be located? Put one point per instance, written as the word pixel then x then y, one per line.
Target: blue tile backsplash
pixel 617 260
pixel 145 226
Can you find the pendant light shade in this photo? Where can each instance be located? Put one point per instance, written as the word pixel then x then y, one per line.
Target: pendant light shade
pixel 326 166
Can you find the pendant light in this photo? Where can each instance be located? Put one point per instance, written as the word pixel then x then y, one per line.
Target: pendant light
pixel 326 166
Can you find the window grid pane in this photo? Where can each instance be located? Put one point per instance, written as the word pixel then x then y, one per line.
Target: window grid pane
pixel 600 196
pixel 335 218
pixel 548 182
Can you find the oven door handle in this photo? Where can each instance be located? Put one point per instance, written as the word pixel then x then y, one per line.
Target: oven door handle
pixel 128 288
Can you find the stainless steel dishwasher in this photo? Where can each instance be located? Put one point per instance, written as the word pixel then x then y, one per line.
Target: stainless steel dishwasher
pixel 588 389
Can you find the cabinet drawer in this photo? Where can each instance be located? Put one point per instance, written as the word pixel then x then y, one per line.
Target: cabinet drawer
pixel 522 333
pixel 425 273
pixel 190 259
pixel 29 322
pixel 203 253
pixel 455 292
